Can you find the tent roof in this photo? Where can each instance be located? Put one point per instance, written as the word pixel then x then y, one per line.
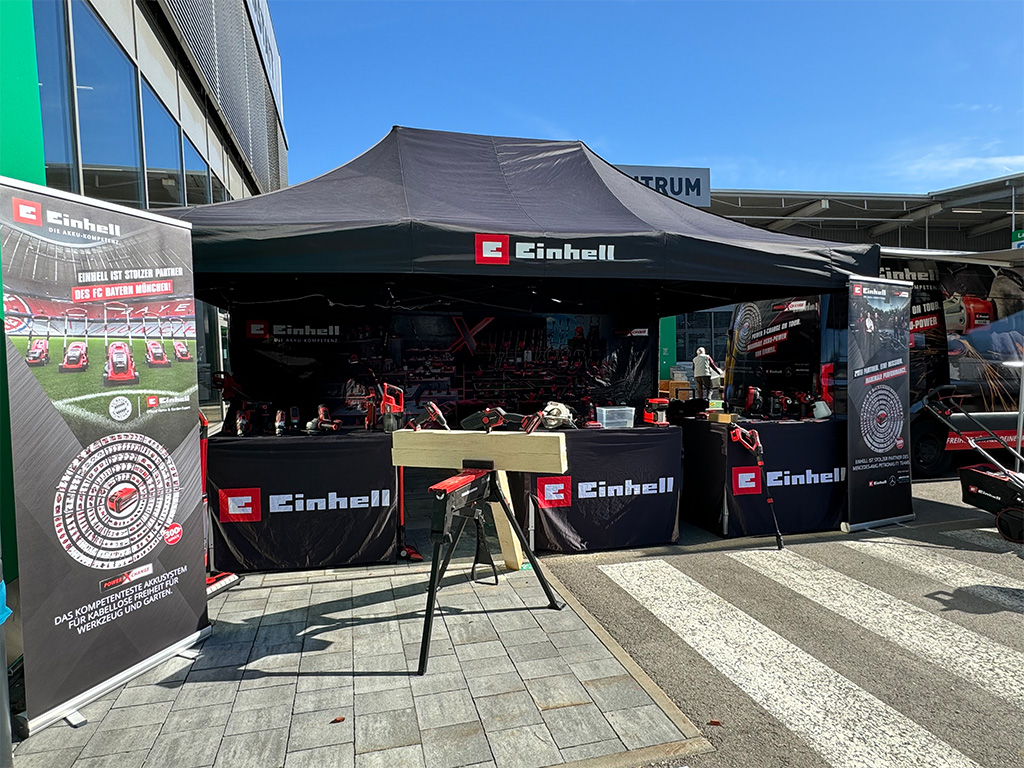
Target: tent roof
pixel 414 203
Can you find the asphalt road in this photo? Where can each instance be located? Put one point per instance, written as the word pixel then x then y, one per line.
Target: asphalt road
pixel 901 647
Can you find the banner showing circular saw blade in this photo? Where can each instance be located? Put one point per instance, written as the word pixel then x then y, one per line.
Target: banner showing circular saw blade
pixel 99 325
pixel 878 426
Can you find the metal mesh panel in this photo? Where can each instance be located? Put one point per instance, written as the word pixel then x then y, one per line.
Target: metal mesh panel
pixel 220 36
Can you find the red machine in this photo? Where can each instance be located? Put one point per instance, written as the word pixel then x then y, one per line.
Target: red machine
pixel 431 415
pixel 180 346
pixel 119 367
pixel 965 313
pixel 38 353
pixel 156 357
pixel 76 353
pixel 387 404
pixel 119 500
pixel 656 411
pixel 323 422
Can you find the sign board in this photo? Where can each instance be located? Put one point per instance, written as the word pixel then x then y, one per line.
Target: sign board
pixel 100 344
pixel 878 421
pixel 688 185
pixel 1017 238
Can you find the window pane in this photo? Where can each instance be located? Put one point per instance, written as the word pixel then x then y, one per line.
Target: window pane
pixel 197 176
pixel 163 152
pixel 220 192
pixel 108 120
pixel 55 94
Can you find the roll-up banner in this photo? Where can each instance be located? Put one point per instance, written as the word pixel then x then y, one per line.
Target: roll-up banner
pixel 878 429
pixel 100 341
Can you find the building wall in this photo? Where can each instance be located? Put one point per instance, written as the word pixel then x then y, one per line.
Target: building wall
pixel 129 117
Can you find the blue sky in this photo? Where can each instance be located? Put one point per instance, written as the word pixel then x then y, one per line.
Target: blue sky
pixel 905 97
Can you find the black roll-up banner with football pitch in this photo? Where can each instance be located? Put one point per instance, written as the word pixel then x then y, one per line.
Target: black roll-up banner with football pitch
pixel 878 429
pixel 100 341
pixel 621 489
pixel 294 502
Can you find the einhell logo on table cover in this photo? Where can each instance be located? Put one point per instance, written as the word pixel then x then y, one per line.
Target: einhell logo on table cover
pixel 298 502
pixel 240 505
pixel 746 480
pixel 497 249
pixel 557 491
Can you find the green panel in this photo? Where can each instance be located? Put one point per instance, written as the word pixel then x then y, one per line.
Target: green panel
pixel 21 121
pixel 666 346
pixel 21 157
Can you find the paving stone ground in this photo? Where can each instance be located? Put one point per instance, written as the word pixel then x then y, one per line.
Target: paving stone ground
pixel 317 669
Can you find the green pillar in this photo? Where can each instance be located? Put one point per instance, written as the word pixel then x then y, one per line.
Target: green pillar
pixel 21 157
pixel 666 346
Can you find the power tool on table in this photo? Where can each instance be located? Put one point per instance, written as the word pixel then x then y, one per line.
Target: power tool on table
pixel 386 405
pixel 323 422
pixel 431 415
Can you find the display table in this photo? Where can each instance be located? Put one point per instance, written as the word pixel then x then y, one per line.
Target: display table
pixel 805 471
pixel 621 490
pixel 284 503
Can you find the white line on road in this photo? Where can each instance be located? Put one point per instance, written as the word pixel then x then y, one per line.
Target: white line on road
pixel 989 538
pixel 929 560
pixel 989 665
pixel 848 726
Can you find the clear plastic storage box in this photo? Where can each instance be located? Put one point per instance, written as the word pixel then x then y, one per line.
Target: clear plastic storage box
pixel 615 417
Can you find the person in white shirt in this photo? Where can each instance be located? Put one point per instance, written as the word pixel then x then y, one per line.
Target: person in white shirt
pixel 703 365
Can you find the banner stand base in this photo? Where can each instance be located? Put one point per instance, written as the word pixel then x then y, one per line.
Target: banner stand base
pixel 75 719
pixel 847 528
pixel 70 708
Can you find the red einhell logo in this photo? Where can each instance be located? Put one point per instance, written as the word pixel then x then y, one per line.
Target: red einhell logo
pixel 497 249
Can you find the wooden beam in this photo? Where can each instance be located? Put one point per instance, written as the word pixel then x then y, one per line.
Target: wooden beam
pixel 510 451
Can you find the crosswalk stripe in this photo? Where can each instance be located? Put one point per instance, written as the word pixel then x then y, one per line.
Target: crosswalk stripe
pixel 989 538
pixel 929 560
pixel 989 665
pixel 848 726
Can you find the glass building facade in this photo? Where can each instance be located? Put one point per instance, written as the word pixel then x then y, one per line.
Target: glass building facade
pixel 123 118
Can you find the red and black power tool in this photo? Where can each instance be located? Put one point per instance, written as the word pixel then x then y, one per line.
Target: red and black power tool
pixel 431 415
pixel 385 406
pixel 491 418
pixel 750 440
pixel 323 422
pixel 656 411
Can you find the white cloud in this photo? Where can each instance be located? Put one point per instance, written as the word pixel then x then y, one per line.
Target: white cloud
pixel 950 164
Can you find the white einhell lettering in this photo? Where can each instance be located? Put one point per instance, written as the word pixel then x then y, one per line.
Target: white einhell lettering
pixel 297 502
pixel 785 477
pixel 83 224
pixel 564 252
pixel 601 489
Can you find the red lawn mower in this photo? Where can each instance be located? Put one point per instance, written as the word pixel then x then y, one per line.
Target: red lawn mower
pixel 76 353
pixel 119 366
pixel 156 356
pixel 181 351
pixel 38 353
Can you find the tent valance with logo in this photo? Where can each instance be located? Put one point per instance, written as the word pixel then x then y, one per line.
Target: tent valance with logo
pixel 430 215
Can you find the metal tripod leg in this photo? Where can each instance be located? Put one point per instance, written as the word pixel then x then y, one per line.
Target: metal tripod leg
pixel 437 569
pixel 553 601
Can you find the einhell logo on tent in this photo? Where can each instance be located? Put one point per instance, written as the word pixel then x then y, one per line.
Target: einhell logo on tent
pixel 492 249
pixel 496 249
pixel 746 480
pixel 240 505
pixel 27 212
pixel 257 329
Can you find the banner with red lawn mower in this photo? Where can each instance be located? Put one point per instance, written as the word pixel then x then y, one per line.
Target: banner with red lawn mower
pixel 99 326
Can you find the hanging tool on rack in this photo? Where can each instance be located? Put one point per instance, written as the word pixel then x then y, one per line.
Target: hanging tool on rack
pixel 750 440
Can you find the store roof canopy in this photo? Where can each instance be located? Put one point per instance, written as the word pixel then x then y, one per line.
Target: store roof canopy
pixel 434 203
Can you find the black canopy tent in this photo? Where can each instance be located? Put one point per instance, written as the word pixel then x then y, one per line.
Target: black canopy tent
pixel 402 221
